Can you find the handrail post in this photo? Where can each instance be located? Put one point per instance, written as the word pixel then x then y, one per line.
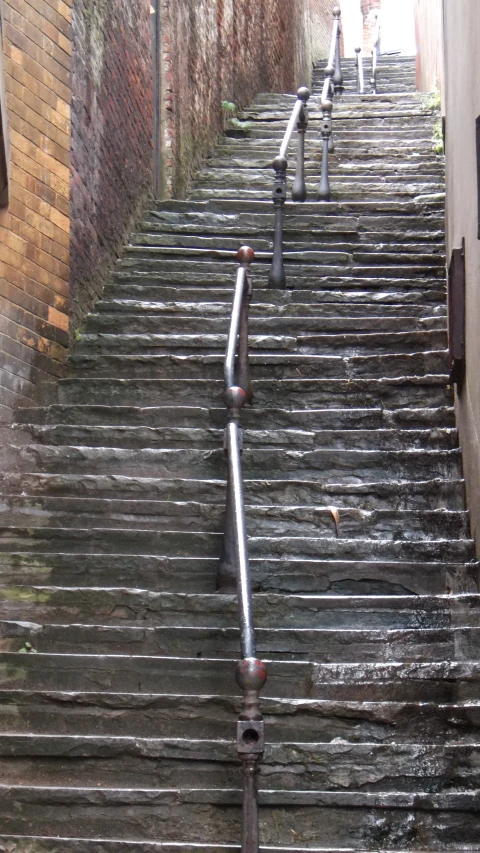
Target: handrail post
pixel 324 186
pixel 375 52
pixel 338 76
pixel 359 67
pixel 251 675
pixel 245 257
pixel 299 189
pixel 276 278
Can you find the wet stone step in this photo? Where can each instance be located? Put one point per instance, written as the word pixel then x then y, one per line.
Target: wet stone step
pixel 400 393
pixel 123 607
pixel 147 814
pixel 75 845
pixel 150 437
pixel 305 766
pixel 323 465
pixel 322 645
pixel 183 543
pixel 285 575
pixel 153 715
pixel 264 519
pixel 252 417
pixel 391 494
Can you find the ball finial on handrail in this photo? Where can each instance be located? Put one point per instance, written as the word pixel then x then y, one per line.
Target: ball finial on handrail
pixel 336 11
pixel 327 106
pixel 245 255
pixel 358 50
pixel 303 94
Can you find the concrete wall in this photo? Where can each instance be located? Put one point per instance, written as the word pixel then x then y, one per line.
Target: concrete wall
pixel 429 38
pixel 34 227
pixel 221 50
pixel 462 97
pixel 112 126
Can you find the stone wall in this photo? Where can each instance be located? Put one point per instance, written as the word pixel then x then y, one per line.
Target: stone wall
pixel 462 101
pixel 112 125
pixel 221 50
pixel 34 226
pixel 429 37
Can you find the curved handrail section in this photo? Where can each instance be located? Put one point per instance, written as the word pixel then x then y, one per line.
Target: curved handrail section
pixel 298 120
pixel 234 570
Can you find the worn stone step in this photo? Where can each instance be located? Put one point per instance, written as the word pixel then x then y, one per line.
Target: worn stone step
pixel 401 392
pixel 152 813
pixel 341 190
pixel 75 845
pixel 213 716
pixel 122 607
pixel 350 576
pixel 325 645
pixel 394 494
pixel 290 307
pixel 323 465
pixel 184 543
pixel 262 519
pixel 284 324
pixel 149 762
pixel 150 437
pixel 423 301
pixel 320 336
pixel 375 417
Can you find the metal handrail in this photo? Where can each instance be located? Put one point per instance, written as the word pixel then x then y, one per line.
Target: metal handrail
pixel 375 54
pixel 234 570
pixel 359 67
pixel 332 87
pixel 298 120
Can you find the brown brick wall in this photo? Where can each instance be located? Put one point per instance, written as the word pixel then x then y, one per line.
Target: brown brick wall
pixel 34 228
pixel 322 23
pixel 216 50
pixel 111 137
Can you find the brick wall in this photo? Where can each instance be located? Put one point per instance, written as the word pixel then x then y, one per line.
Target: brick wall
pixel 111 137
pixel 322 22
pixel 216 50
pixel 34 228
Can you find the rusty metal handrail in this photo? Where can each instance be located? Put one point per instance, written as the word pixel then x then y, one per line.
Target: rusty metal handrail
pixel 298 119
pixel 234 570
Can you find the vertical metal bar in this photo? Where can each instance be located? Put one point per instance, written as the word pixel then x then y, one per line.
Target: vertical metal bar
pixel 324 193
pixel 299 189
pixel 359 66
pixel 338 76
pixel 276 278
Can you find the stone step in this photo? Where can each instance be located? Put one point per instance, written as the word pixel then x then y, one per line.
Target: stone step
pixel 287 644
pixel 121 607
pixel 151 813
pixel 175 543
pixel 402 392
pixel 441 682
pixel 404 299
pixel 341 191
pixel 268 519
pixel 170 437
pixel 350 576
pixel 342 465
pixel 213 716
pixel 394 494
pixel 366 207
pixel 291 306
pixel 126 762
pixel 252 418
pixel 183 324
pixel 338 246
pixel 28 844
pixel 346 345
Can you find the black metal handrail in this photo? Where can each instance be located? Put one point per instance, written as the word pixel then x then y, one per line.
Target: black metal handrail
pixel 332 87
pixel 298 120
pixel 234 570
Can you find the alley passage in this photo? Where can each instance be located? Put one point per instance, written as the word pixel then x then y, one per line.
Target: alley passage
pixel 121 726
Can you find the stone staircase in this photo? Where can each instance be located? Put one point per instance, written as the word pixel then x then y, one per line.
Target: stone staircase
pixel 117 694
